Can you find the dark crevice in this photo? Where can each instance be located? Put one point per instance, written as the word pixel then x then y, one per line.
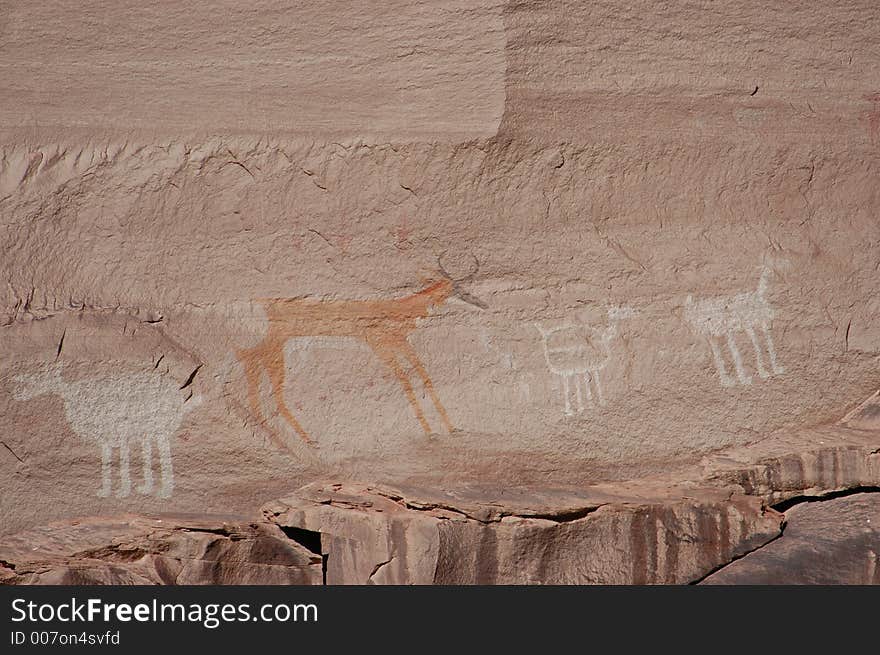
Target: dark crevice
pixel 14 454
pixel 378 567
pixel 786 505
pixel 192 376
pixel 223 532
pixel 308 539
pixel 311 541
pixel 561 517
pixel 60 344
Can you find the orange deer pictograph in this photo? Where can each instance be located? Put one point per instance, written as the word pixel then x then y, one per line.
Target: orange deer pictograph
pixel 383 324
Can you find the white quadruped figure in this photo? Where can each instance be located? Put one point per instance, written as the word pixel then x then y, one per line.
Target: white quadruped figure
pixel 722 318
pixel 114 411
pixel 577 353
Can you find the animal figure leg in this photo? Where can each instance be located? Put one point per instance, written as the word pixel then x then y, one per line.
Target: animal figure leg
pixel 252 361
pixel 726 380
pixel 589 392
pixel 106 466
pixel 276 378
pixel 759 358
pixel 388 358
pixel 147 463
pixel 413 358
pixel 771 351
pixel 124 474
pixel 165 466
pixel 744 377
pixel 577 389
pixel 599 396
pixel 565 392
pixel 252 370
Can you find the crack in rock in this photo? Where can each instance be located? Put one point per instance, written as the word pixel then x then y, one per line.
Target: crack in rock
pixel 786 505
pixel 379 566
pixel 739 557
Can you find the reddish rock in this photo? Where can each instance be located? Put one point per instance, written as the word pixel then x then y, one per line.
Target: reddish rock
pixel 485 536
pixel 168 550
pixel 833 541
pixel 467 253
pixel 527 243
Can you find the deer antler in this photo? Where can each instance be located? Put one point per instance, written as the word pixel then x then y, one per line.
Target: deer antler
pixel 470 276
pixel 442 268
pixel 446 274
pixel 460 293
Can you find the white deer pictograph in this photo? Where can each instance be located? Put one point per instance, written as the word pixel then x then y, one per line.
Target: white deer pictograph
pixel 115 411
pixel 577 352
pixel 722 318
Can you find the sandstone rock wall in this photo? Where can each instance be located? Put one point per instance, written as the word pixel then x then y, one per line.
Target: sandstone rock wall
pixel 245 248
pixel 174 550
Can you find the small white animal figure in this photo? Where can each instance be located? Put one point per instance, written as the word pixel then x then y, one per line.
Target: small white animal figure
pixel 577 352
pixel 115 410
pixel 715 318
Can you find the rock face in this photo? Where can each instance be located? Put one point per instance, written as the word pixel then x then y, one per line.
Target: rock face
pixel 677 529
pixel 661 530
pixel 425 245
pixel 483 536
pixel 172 550
pixel 831 542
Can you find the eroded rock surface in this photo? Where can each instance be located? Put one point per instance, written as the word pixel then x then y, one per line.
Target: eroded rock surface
pixel 609 248
pixel 677 528
pixel 125 550
pixel 669 529
pixel 834 541
pixel 385 536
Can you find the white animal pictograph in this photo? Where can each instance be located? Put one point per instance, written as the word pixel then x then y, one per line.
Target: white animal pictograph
pixel 577 352
pixel 722 318
pixel 114 411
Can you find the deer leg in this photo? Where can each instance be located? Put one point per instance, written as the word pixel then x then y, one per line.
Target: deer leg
pixel 124 474
pixel 595 376
pixel 577 392
pixel 565 393
pixel 744 378
pixel 759 358
pixel 410 353
pixel 252 370
pixel 388 358
pixel 771 351
pixel 166 466
pixel 252 361
pixel 147 464
pixel 106 465
pixel 726 380
pixel 586 382
pixel 276 378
